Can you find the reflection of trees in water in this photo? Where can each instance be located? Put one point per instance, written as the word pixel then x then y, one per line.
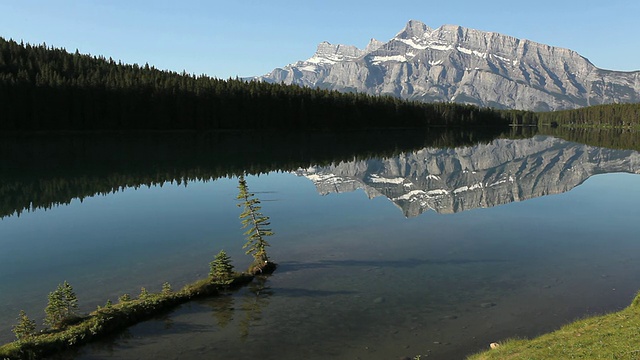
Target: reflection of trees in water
pixel 167 321
pixel 611 138
pixel 108 346
pixel 254 301
pixel 79 166
pixel 223 309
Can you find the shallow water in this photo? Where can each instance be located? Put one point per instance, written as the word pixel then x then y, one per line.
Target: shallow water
pixel 357 279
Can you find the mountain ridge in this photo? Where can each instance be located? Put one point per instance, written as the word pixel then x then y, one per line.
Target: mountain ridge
pixel 458 64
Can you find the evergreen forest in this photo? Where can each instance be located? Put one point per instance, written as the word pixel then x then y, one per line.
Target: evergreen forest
pixel 598 116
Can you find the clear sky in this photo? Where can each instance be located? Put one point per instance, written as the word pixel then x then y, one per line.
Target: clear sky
pixel 252 37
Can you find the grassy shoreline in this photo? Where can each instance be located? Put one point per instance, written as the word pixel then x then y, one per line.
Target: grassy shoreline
pixel 610 336
pixel 113 318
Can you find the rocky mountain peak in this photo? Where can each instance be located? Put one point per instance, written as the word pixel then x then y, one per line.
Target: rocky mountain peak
pixel 414 29
pixel 373 45
pixel 330 53
pixel 454 63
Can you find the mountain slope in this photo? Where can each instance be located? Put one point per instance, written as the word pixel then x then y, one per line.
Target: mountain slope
pixel 453 63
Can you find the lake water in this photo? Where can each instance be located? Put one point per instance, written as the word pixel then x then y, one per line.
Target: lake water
pixel 435 252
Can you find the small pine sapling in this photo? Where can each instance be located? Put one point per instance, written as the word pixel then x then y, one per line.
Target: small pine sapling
pixel 25 328
pixel 166 289
pixel 221 269
pixel 144 294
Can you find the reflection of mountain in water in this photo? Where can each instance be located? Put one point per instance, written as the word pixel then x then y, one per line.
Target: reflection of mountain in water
pixel 454 180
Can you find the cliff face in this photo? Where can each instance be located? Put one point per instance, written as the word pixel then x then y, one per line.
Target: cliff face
pixel 454 180
pixel 453 63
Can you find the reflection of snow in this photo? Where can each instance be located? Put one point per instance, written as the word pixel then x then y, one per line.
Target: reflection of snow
pixel 328 179
pixel 411 194
pixel 377 179
pixel 438 192
pixel 467 188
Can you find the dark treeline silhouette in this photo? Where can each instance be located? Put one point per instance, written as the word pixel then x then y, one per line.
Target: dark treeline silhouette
pixel 39 171
pixel 49 89
pixel 610 115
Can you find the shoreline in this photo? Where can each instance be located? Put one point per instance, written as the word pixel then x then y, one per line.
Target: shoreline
pixel 611 336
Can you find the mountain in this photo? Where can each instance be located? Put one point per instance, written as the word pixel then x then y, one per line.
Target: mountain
pixel 453 63
pixel 464 178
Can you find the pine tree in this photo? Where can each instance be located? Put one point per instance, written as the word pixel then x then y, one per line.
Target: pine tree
pixel 144 294
pixel 61 306
pixel 257 226
pixel 70 299
pixel 166 289
pixel 221 269
pixel 25 327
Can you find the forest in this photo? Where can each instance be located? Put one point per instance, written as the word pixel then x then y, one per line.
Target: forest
pixel 598 116
pixel 44 88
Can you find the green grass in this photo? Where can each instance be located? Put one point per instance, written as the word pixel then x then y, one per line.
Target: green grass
pixel 611 336
pixel 113 318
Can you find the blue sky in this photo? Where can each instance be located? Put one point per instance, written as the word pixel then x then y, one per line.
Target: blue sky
pixel 252 37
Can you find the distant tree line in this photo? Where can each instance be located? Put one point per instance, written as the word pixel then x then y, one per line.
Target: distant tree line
pixel 610 115
pixel 49 89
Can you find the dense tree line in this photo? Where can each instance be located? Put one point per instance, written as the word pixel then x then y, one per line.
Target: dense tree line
pixel 610 115
pixel 47 88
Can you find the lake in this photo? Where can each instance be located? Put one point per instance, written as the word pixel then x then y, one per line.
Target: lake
pixel 435 250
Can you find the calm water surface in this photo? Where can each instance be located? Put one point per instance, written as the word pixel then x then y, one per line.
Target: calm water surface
pixel 357 278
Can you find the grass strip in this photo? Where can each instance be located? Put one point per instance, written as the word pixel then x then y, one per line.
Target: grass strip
pixel 610 336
